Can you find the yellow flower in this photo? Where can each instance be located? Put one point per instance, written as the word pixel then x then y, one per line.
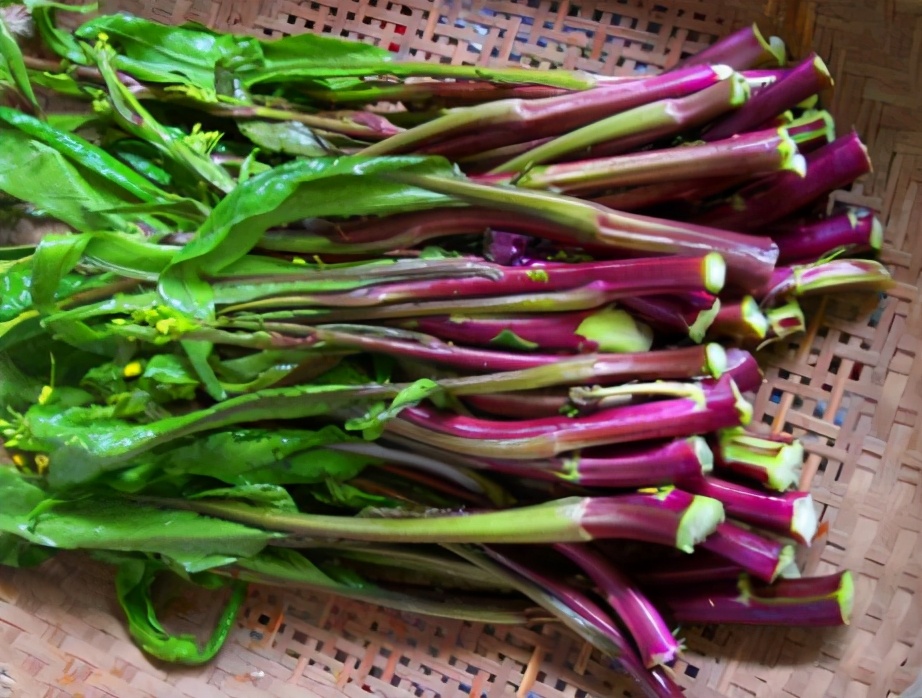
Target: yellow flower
pixel 41 462
pixel 133 370
pixel 45 395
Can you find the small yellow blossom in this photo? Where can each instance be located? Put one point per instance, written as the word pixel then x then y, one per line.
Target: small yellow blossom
pixel 133 370
pixel 41 462
pixel 45 395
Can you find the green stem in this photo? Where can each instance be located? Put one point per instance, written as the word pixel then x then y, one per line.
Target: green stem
pixel 656 120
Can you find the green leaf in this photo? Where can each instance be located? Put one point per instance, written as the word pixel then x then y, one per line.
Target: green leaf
pixel 17 390
pixel 83 443
pixel 286 137
pixel 60 41
pixel 154 52
pixel 70 122
pixel 40 175
pixel 107 523
pixel 15 285
pixel 84 154
pixel 280 457
pixel 168 377
pixel 283 565
pixel 11 62
pixel 343 494
pixel 133 587
pixel 65 85
pixel 261 494
pixel 507 339
pixel 320 187
pixel 373 423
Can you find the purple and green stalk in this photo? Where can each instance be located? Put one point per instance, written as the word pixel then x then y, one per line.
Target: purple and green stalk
pixel 361 125
pixel 690 191
pixel 579 613
pixel 605 329
pixel 481 162
pixel 812 130
pixel 743 368
pixel 792 514
pixel 742 50
pixel 750 259
pixel 856 229
pixel 774 463
pixel 622 467
pixel 670 518
pixel 672 572
pixel 761 557
pixel 761 78
pixel 654 640
pixel 681 363
pixel 673 314
pixel 750 154
pixel 740 321
pixel 708 360
pixel 502 122
pixel 492 289
pixel 827 277
pixel 809 77
pixel 757 207
pixel 645 124
pixel 809 602
pixel 785 320
pixel 704 408
pixel 527 404
pixel 436 92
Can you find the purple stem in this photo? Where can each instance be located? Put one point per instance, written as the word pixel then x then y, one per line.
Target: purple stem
pixel 674 314
pixel 761 557
pixel 538 118
pixel 740 321
pixel 701 567
pixel 791 514
pixel 654 640
pixel 622 467
pixel 581 332
pixel 741 50
pixel 743 368
pixel 750 259
pixel 831 167
pixel 857 230
pixel 669 517
pixel 748 154
pixel 807 78
pixel 812 131
pixel 826 277
pixel 665 364
pixel 808 602
pixel 528 404
pixel 717 406
pixel 655 683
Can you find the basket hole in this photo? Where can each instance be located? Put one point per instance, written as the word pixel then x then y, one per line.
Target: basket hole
pixel 691 671
pixel 376 671
pixel 291 653
pixel 263 619
pixel 300 637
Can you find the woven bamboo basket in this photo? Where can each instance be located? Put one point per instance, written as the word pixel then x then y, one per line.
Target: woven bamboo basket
pixel 851 388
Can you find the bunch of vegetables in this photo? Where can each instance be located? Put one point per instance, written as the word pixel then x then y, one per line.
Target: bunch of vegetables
pixel 470 342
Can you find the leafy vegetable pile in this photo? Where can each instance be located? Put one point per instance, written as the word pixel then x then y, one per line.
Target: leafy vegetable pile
pixel 461 341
